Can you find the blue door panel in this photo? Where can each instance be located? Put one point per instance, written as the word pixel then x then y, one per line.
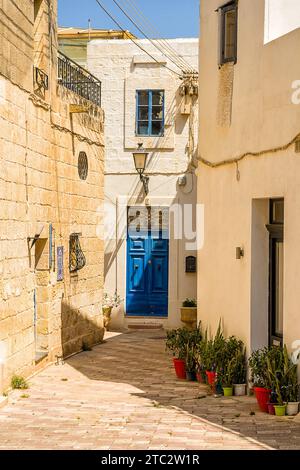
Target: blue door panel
pixel 137 243
pixel 147 275
pixel 137 278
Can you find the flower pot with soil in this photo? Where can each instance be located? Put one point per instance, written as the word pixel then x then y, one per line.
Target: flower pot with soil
pixel 280 410
pixel 211 377
pixel 179 366
pixel 228 391
pixel 262 395
pixel 292 408
pixel 226 373
pixel 176 343
pixel 188 313
pixel 292 392
pixel 260 378
pixel 282 374
pixel 190 361
pixel 240 373
pixel 108 303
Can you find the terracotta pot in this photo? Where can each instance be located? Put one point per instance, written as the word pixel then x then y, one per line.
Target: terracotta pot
pixel 211 377
pixel 179 365
pixel 262 397
pixel 189 316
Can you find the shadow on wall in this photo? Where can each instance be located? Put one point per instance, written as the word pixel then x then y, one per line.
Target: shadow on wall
pixel 77 331
pixel 113 246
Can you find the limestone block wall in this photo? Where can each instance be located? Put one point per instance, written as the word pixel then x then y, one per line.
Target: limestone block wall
pixel 45 312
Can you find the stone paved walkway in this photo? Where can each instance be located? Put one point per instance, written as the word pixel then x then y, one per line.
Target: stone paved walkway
pixel 124 395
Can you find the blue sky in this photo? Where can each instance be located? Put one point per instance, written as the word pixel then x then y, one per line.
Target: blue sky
pixel 172 18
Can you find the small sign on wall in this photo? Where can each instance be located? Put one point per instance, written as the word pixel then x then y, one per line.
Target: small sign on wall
pixel 190 264
pixel 60 263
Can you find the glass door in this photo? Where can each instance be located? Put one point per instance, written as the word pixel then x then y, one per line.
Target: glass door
pixel 276 273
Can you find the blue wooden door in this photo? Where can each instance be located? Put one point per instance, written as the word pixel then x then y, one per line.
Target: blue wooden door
pixel 147 271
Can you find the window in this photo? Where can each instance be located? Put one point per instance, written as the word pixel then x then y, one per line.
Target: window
pixel 276 271
pixel 150 112
pixel 229 25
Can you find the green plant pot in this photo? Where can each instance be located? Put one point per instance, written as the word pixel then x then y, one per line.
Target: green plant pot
pixel 228 391
pixel 280 410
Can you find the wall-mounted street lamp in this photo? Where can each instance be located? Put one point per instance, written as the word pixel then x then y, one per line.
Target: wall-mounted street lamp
pixel 140 159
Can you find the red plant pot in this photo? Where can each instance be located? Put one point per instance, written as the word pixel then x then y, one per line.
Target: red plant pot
pixel 199 377
pixel 271 409
pixel 262 397
pixel 211 377
pixel 179 365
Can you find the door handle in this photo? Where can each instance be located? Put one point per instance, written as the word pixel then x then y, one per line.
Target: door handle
pixel 136 267
pixel 149 262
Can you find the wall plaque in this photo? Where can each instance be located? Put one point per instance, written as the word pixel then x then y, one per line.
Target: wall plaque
pixel 60 263
pixel 190 264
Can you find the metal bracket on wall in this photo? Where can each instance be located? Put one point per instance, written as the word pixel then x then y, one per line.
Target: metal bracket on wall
pixel 76 257
pixel 34 239
pixel 145 181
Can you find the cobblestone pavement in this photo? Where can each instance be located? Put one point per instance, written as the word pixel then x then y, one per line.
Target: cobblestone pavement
pixel 124 395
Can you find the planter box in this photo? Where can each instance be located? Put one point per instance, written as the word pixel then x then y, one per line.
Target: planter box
pixel 189 316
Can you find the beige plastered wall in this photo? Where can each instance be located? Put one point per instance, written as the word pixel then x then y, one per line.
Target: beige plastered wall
pixel 236 197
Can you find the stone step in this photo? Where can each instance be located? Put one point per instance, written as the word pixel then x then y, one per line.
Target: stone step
pixel 145 326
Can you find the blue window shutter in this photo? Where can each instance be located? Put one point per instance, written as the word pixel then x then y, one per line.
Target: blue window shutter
pixel 149 131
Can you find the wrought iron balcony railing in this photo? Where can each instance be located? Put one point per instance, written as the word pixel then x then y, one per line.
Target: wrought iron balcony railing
pixel 78 80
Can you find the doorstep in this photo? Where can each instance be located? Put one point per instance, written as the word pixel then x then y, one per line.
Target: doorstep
pixel 3 401
pixel 145 323
pixel 145 326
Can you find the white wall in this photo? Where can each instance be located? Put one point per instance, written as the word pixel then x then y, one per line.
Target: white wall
pixel 123 68
pixel 281 17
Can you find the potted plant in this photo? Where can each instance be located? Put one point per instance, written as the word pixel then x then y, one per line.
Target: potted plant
pixel 200 369
pixel 189 313
pixel 190 362
pixel 176 343
pixel 108 303
pixel 240 373
pixel 258 365
pixel 289 384
pixel 273 401
pixel 292 407
pixel 226 376
pixel 282 376
pixel 213 353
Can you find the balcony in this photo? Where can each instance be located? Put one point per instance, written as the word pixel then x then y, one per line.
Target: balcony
pixel 78 80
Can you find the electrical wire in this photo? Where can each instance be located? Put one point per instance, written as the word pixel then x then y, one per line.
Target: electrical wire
pixel 155 43
pixel 238 159
pixel 163 42
pixel 133 40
